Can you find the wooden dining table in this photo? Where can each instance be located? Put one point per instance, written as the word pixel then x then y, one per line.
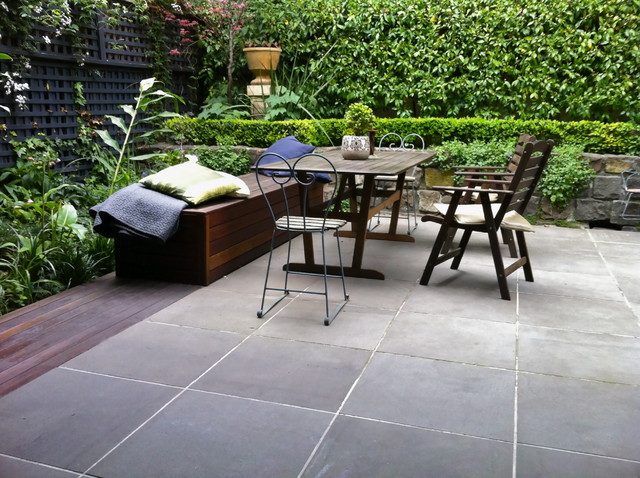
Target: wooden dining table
pixel 363 206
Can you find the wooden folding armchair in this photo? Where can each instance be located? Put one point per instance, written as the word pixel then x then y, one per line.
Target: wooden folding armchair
pixel 514 190
pixel 489 172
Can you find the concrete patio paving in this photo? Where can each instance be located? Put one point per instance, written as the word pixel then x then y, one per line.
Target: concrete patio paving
pixel 446 380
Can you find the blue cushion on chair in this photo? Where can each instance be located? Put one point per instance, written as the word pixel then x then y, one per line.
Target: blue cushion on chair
pixel 290 148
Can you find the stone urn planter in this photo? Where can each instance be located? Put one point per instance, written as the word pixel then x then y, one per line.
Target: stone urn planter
pixel 262 60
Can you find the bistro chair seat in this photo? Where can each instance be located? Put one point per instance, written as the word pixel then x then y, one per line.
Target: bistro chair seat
pixel 306 213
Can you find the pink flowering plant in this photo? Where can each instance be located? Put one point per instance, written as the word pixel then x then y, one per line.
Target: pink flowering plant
pixel 212 24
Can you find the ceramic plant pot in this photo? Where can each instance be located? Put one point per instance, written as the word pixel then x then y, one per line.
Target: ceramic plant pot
pixel 355 147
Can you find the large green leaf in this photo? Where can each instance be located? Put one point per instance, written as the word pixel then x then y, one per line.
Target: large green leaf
pixel 119 122
pixel 106 137
pixel 66 215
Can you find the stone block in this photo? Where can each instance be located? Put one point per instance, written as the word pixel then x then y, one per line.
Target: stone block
pixel 534 204
pixel 596 161
pixel 592 210
pixel 633 210
pixel 607 187
pixel 617 164
pixel 547 211
pixel 427 199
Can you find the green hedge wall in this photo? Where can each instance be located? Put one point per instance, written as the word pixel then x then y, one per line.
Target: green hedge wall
pixel 535 59
pixel 597 137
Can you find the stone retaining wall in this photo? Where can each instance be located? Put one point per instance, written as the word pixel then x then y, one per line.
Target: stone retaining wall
pixel 601 202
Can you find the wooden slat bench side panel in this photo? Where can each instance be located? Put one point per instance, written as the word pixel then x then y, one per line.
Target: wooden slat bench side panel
pixel 228 229
pixel 213 239
pixel 180 259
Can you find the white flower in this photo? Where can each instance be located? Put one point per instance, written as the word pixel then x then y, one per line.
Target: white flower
pixel 21 102
pixel 46 39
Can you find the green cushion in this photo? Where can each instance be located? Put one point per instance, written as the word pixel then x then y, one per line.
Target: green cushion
pixel 191 182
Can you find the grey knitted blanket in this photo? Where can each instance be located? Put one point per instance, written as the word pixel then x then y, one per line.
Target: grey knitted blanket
pixel 139 212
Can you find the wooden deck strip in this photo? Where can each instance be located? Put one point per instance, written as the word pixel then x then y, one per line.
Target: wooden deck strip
pixel 46 334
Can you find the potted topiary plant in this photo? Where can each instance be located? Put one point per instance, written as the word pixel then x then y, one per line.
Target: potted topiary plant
pixel 359 120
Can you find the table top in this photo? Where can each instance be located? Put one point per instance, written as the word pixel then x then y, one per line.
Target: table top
pixel 388 163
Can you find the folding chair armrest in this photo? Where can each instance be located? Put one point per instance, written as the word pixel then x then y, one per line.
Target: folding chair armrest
pixel 483 173
pixel 463 189
pixel 478 168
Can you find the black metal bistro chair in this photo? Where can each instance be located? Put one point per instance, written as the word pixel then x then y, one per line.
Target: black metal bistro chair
pixel 631 187
pixel 305 212
pixel 395 142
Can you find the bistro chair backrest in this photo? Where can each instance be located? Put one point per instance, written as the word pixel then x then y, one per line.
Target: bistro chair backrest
pixel 271 168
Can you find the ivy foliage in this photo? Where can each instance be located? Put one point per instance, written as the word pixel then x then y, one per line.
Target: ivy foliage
pixel 539 59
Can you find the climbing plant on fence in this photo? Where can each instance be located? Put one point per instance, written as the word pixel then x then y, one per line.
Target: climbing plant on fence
pixel 540 59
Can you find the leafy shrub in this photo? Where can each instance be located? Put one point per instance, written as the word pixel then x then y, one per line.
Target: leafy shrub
pixel 476 153
pixel 566 175
pixel 359 119
pixel 498 59
pixel 224 159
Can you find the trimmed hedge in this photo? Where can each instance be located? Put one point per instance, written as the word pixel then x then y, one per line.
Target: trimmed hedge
pixel 597 137
pixel 540 59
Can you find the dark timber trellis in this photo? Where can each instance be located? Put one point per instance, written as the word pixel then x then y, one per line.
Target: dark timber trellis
pixel 109 65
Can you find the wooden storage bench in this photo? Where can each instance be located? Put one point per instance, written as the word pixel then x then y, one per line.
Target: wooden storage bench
pixel 213 239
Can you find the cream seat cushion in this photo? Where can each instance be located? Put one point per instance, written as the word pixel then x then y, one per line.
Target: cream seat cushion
pixel 472 214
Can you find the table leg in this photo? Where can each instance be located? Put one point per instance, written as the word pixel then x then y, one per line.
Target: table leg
pixel 395 211
pixel 360 226
pixel 358 231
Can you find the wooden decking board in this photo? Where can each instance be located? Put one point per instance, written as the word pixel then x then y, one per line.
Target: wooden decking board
pixel 55 301
pixel 55 311
pixel 60 323
pixel 40 338
pixel 86 315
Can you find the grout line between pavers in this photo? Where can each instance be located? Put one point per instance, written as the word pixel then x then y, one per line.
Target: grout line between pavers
pixel 581 453
pixel 353 386
pixel 40 464
pixel 606 264
pixel 516 379
pixel 173 399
